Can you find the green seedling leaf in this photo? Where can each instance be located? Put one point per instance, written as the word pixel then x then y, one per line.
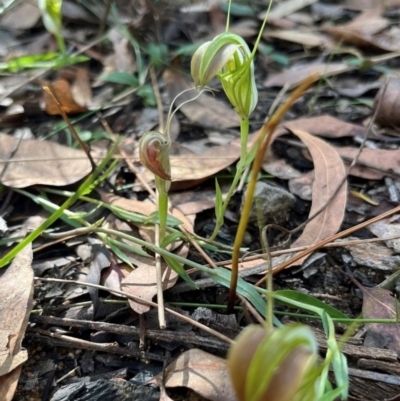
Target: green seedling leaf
pixel 219 207
pixel 122 78
pixel 168 239
pixel 309 300
pixel 125 214
pixel 331 395
pixel 341 372
pixel 177 267
pixel 223 276
pixel 118 252
pixel 153 218
pixel 46 60
pixel 121 245
pixel 158 54
pixel 146 92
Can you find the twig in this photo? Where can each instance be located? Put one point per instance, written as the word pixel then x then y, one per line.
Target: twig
pixel 143 301
pixel 157 335
pixel 114 348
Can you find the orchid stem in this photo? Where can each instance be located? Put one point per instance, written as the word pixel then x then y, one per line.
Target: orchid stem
pixel 240 167
pixel 162 206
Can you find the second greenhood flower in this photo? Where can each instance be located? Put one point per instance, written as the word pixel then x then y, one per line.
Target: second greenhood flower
pixel 229 58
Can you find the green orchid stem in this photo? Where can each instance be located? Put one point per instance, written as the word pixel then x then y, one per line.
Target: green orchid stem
pixel 61 44
pixel 163 214
pixel 162 206
pixel 240 167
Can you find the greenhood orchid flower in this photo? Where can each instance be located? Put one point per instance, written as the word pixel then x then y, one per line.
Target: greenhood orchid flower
pixel 229 58
pixel 154 150
pixel 274 364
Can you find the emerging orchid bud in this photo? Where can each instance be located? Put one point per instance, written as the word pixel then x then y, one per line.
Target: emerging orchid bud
pixel 154 150
pixel 274 365
pixel 51 15
pixel 229 58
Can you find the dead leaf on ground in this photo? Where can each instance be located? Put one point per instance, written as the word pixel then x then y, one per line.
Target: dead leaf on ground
pixel 388 100
pixel 351 88
pixel 326 126
pixel 304 38
pixel 205 110
pixel 201 372
pixel 23 16
pixel 329 174
pixel 72 90
pixel 378 162
pixel 294 76
pixel 142 282
pixel 285 8
pixel 34 162
pixel 365 31
pixel 17 301
pixel 379 303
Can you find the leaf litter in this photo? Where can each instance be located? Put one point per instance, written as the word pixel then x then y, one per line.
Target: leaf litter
pixel 296 26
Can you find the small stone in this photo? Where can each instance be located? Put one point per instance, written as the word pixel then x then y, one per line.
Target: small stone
pixel 271 203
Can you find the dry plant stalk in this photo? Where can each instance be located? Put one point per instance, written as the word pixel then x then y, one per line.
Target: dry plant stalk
pixel 261 144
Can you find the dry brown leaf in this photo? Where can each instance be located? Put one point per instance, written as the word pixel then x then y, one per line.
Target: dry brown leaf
pixel 287 7
pixel 36 162
pixel 388 114
pixel 326 126
pixel 202 372
pixel 305 38
pixel 16 305
pixel 366 31
pixel 142 281
pixel 205 110
pixel 9 382
pixel 24 15
pixel 329 173
pixel 380 162
pixel 72 90
pixel 296 75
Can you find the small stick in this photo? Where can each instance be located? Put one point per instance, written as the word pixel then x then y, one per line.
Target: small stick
pixel 143 301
